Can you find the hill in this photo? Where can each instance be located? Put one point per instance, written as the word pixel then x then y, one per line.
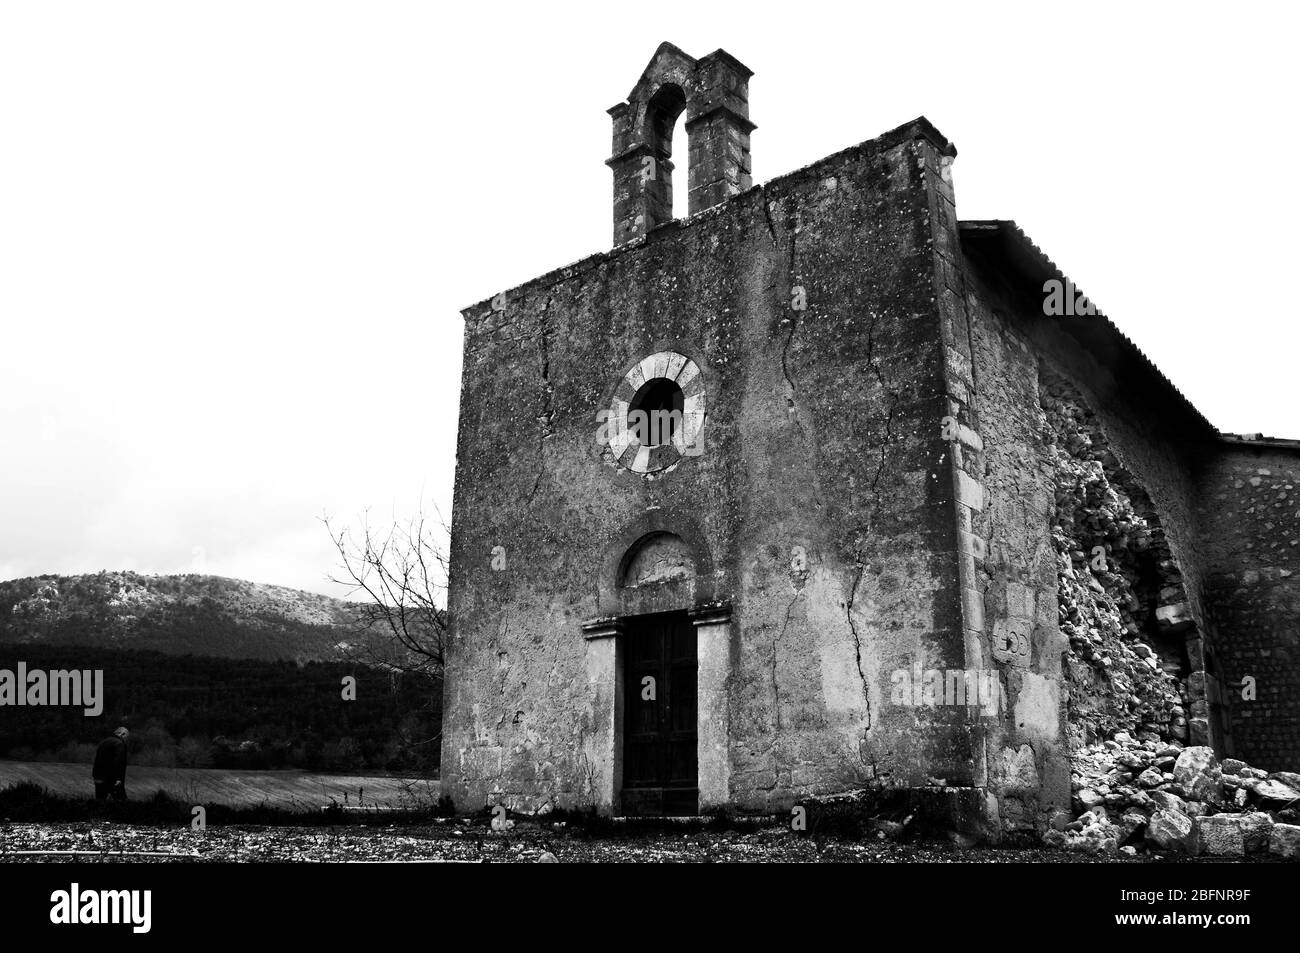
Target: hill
pixel 177 615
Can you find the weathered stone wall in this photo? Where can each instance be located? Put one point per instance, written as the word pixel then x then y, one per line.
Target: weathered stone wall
pixel 1215 590
pixel 1250 518
pixel 1153 436
pixel 1026 752
pixel 821 508
pixel 1142 446
pixel 845 465
pixel 1214 596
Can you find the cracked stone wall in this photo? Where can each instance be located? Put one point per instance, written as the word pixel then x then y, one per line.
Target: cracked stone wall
pixel 1154 455
pixel 1202 538
pixel 1151 447
pixel 1121 468
pixel 1072 459
pixel 1023 750
pixel 1250 514
pixel 822 505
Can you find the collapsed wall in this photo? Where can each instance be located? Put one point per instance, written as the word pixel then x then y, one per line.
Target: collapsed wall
pixel 1138 716
pixel 1133 663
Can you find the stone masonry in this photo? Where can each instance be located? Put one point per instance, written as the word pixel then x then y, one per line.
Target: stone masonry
pixel 854 517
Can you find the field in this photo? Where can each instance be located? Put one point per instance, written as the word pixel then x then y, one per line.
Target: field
pixel 290 790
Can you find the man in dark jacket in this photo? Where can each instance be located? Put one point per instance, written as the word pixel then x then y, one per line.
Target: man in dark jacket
pixel 109 769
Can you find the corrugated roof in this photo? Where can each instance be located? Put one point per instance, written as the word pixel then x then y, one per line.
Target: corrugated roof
pixel 1260 440
pixel 1111 346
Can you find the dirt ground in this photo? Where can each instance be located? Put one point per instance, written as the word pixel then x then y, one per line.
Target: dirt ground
pixel 461 842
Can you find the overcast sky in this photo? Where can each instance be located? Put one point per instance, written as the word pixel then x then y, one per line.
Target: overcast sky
pixel 235 237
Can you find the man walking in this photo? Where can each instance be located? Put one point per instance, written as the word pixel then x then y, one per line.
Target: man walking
pixel 109 769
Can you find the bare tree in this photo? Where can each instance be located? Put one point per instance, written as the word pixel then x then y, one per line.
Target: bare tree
pixel 397 578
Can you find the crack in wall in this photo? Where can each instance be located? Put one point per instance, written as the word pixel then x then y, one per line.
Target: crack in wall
pixel 548 407
pixel 793 318
pixel 872 512
pixel 889 416
pixel 792 279
pixel 857 639
pixel 767 216
pixel 776 690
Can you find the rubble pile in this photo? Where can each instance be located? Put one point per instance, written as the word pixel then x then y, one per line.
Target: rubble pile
pixel 1138 785
pixel 1134 795
pixel 1114 573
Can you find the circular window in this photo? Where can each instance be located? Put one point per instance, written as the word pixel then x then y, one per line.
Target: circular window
pixel 655 412
pixel 657 415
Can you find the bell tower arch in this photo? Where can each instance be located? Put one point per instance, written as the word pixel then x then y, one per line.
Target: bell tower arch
pixel 713 93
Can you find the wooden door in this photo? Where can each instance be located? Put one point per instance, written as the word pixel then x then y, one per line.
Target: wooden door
pixel 659 716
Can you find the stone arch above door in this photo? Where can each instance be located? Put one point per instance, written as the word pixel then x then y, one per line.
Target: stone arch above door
pixel 660 563
pixel 658 558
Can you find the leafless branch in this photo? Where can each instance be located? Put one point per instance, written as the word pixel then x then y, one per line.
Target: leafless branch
pixel 397 580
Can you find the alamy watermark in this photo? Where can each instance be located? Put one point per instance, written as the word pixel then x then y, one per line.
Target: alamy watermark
pixel 1063 299
pixel 972 688
pixel 651 428
pixel 82 688
pixel 74 906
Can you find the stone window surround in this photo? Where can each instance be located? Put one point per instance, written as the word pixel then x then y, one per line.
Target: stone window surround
pixel 623 448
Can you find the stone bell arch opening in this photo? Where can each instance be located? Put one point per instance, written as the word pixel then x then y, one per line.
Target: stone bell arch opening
pixel 666 137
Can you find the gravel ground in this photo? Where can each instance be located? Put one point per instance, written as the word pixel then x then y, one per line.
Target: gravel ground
pixel 474 843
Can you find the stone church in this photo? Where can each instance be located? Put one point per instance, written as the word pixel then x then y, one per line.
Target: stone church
pixel 837 557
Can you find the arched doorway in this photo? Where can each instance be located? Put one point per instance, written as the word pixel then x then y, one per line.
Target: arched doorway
pixel 660 658
pixel 660 618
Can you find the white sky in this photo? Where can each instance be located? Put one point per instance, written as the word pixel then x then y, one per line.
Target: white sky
pixel 235 237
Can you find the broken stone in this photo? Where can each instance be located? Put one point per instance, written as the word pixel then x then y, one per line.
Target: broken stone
pixel 1255 830
pixel 1197 771
pixel 1164 801
pixel 1275 791
pixel 1218 836
pixel 1150 778
pixel 1141 799
pixel 1284 841
pixel 1290 778
pixel 1130 825
pixel 1169 830
pixel 1089 798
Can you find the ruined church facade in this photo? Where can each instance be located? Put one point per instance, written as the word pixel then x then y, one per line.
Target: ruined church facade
pixel 829 563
